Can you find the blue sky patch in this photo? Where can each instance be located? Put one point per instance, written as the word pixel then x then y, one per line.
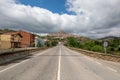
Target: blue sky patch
pixel 56 6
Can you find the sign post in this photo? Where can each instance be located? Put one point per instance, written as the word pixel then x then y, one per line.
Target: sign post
pixel 119 47
pixel 105 44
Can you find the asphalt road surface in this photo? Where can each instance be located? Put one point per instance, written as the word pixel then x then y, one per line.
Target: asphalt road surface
pixel 60 63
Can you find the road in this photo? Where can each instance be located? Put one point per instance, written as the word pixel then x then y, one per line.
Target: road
pixel 61 63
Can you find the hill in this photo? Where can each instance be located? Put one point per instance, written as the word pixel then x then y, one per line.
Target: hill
pixel 109 38
pixel 5 31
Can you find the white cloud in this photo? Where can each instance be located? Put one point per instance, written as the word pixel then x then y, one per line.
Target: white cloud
pixel 94 18
pixel 101 15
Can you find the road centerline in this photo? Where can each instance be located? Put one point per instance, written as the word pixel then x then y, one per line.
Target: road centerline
pixel 59 65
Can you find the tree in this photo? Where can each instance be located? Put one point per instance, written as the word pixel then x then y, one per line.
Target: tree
pixel 54 43
pixel 73 42
pixel 39 44
pixel 48 43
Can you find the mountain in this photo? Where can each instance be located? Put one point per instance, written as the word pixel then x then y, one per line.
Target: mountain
pixel 109 38
pixel 5 31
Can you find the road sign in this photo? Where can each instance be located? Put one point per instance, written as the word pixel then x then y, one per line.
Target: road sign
pixel 105 44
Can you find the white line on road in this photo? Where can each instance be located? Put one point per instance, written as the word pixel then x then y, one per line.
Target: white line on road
pixel 12 66
pixel 99 63
pixel 21 62
pixel 59 65
pixel 112 69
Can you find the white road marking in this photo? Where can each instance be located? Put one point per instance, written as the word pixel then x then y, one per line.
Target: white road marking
pixel 99 63
pixel 59 65
pixel 13 66
pixel 21 62
pixel 112 69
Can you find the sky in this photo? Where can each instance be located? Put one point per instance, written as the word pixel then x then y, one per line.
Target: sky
pixel 55 6
pixel 90 18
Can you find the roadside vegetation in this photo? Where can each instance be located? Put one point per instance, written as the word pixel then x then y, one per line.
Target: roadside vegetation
pixel 51 41
pixel 95 45
pixel 39 44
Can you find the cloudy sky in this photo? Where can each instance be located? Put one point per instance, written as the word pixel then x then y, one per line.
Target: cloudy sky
pixel 91 18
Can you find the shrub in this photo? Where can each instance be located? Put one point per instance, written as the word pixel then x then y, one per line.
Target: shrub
pixel 97 48
pixel 54 43
pixel 47 43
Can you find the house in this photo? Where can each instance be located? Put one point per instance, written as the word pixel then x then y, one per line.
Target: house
pixel 10 40
pixel 28 39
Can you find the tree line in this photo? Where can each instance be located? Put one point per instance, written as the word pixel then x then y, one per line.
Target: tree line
pixel 95 45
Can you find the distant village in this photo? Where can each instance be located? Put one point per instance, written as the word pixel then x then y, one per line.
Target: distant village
pixel 22 39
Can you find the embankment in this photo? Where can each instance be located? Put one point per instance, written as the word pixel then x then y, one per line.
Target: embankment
pixel 98 55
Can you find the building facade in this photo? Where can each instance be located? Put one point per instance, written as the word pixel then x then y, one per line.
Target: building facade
pixel 28 39
pixel 10 40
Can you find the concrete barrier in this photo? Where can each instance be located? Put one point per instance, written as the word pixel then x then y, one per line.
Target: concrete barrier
pixel 17 54
pixel 98 55
pixel 12 57
pixel 5 51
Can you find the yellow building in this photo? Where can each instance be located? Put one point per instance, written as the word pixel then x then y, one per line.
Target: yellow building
pixel 10 40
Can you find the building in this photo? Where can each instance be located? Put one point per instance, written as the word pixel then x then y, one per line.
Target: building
pixel 62 35
pixel 10 40
pixel 28 39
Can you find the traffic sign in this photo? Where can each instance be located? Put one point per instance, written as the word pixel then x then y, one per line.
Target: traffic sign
pixel 105 44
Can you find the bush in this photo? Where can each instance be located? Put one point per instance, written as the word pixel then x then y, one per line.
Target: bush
pixel 54 43
pixel 97 48
pixel 47 43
